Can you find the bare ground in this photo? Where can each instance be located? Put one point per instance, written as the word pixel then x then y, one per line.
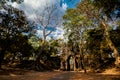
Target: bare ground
pixel 58 75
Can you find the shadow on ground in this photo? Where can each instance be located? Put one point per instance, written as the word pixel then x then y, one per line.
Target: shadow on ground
pixel 55 75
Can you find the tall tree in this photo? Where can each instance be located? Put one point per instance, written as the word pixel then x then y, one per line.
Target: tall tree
pixel 94 16
pixel 13 22
pixel 47 18
pixel 98 17
pixel 108 8
pixel 76 24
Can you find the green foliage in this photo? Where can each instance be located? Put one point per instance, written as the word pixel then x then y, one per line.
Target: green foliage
pixel 76 22
pixel 12 23
pixel 4 1
pixel 108 6
pixel 55 46
pixel 19 48
pixel 94 39
pixel 97 45
pixel 89 22
pixel 35 42
pixel 115 36
pixel 13 44
pixel 51 49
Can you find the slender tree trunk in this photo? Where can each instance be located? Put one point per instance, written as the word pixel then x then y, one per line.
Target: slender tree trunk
pixel 84 67
pixel 66 65
pixel 61 65
pixel 44 35
pixel 82 64
pixel 82 57
pixel 1 58
pixel 0 61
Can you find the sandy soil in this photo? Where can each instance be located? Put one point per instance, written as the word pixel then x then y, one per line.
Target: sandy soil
pixel 57 75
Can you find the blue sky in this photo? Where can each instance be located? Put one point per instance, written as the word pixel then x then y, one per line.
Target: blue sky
pixel 70 3
pixel 28 5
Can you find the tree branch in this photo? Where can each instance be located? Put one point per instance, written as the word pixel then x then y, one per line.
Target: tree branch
pixel 48 33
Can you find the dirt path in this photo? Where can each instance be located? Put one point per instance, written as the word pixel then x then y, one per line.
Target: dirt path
pixel 56 75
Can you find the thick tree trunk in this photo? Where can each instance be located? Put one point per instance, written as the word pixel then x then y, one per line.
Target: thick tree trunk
pixel 68 63
pixel 37 60
pixel 74 63
pixel 110 43
pixel 43 45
